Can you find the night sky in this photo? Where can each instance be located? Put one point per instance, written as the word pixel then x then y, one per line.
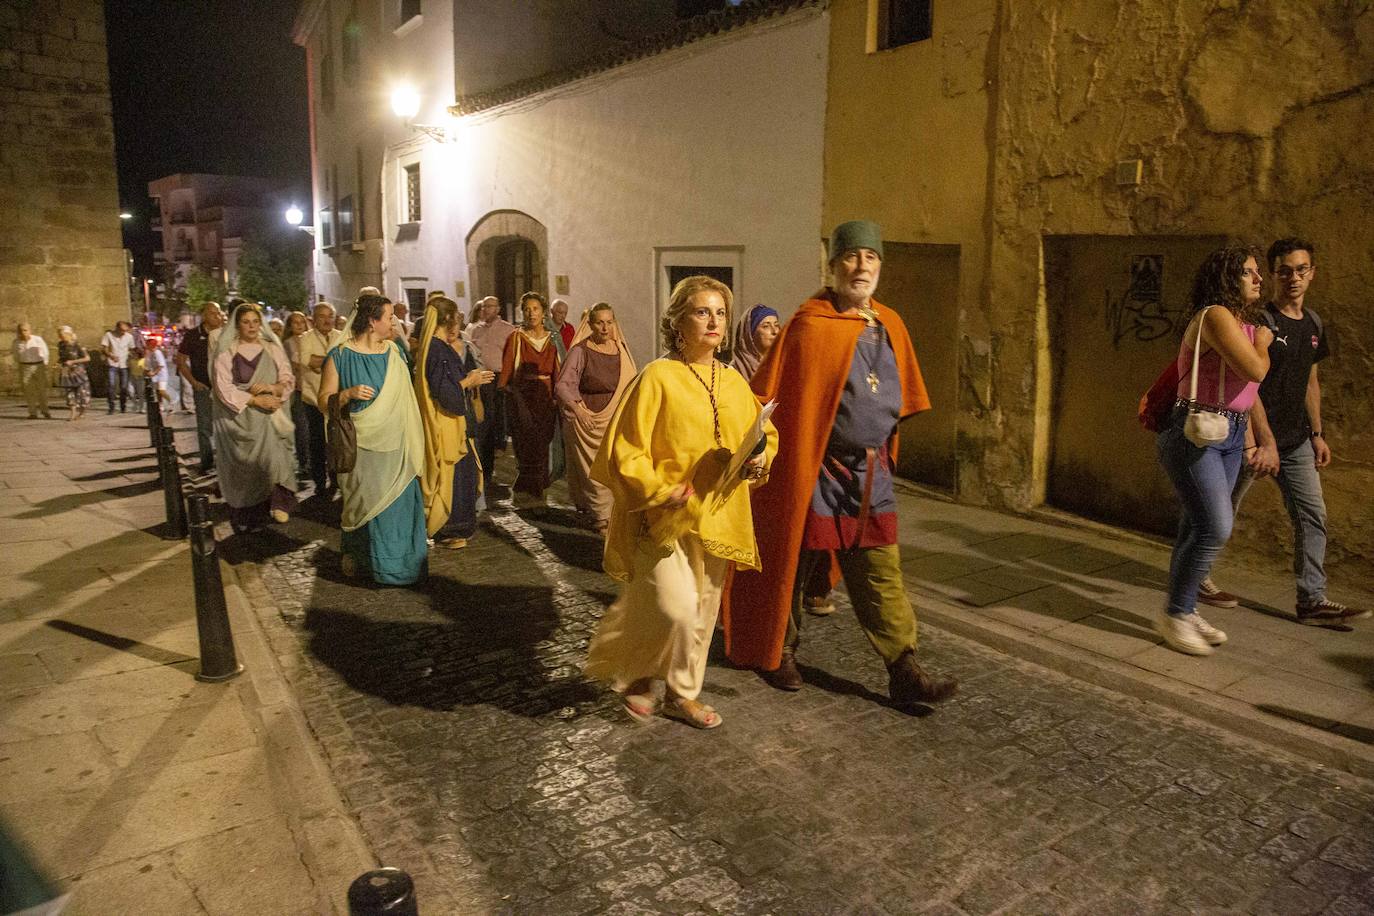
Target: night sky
pixel 204 86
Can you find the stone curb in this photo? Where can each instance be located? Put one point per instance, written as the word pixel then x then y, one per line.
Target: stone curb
pixel 330 841
pixel 1234 716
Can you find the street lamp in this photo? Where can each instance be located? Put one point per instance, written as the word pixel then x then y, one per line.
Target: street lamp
pixel 405 102
pixel 125 214
pixel 294 215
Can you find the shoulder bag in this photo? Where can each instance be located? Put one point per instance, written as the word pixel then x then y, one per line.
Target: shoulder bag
pixel 341 438
pixel 1205 427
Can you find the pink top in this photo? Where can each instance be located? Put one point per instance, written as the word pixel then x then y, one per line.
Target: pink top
pixel 1239 394
pixel 236 398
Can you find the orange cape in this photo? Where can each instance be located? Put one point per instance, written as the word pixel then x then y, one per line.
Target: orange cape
pixel 805 371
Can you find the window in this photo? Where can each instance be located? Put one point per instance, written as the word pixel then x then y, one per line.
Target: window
pixel 327 82
pixel 409 10
pixel 352 48
pixel 415 303
pixel 902 22
pixel 412 192
pixel 327 228
pixel 346 224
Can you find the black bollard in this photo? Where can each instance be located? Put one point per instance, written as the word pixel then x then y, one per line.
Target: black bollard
pixel 217 659
pixel 154 414
pixel 384 892
pixel 169 468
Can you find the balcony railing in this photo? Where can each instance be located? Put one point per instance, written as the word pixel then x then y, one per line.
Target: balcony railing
pixel 155 224
pixel 183 254
pixel 184 218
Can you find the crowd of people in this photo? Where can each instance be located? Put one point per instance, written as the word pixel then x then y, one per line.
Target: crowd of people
pixel 732 491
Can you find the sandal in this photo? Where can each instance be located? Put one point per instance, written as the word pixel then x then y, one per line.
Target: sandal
pixel 454 543
pixel 639 707
pixel 691 712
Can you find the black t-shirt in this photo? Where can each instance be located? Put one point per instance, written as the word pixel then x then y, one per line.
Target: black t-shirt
pixel 196 346
pixel 1299 343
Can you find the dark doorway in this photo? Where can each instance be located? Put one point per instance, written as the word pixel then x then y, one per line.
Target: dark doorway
pixel 1116 306
pixel 680 272
pixel 517 272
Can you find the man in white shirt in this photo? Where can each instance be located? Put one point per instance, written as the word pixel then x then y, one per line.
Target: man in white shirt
pixel 117 345
pixel 315 344
pixel 31 353
pixel 489 336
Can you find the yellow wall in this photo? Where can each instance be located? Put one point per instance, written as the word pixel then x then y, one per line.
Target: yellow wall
pixel 906 140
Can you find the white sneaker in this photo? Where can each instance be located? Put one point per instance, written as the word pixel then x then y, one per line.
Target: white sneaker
pixel 1182 634
pixel 1211 634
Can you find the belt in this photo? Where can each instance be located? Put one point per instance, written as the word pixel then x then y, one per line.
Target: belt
pixel 1210 408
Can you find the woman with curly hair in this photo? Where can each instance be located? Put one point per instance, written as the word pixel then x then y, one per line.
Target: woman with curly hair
pixel 677 522
pixel 1234 357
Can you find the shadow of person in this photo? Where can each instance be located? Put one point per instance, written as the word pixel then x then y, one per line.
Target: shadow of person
pixel 69 501
pixel 487 651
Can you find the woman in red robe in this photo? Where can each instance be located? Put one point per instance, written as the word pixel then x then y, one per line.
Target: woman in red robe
pixel 529 368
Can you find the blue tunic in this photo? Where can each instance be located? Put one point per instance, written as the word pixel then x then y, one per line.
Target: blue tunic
pixel 392 547
pixel 444 373
pixel 857 449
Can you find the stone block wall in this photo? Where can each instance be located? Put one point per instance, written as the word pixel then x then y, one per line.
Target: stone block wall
pixel 1251 120
pixel 61 255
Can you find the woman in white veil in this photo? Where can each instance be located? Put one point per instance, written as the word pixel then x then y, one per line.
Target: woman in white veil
pixel 252 428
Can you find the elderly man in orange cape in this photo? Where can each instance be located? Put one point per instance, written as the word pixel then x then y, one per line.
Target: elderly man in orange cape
pixel 844 373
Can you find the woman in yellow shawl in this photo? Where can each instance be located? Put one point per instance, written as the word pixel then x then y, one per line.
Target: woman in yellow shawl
pixel 446 379
pixel 383 511
pixel 678 519
pixel 594 376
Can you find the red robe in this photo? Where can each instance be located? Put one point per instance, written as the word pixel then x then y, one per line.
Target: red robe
pixel 805 372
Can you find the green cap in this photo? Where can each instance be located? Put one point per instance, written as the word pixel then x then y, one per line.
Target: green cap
pixel 857 233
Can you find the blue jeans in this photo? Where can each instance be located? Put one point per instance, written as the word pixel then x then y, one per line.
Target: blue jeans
pixel 119 382
pixel 1301 487
pixel 1204 479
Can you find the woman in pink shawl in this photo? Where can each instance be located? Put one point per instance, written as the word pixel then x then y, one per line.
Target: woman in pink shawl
pixel 754 334
pixel 594 375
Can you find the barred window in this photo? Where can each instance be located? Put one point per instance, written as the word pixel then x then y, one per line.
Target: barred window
pixel 412 184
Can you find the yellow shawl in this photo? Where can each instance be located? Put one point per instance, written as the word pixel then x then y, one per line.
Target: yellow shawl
pixel 446 439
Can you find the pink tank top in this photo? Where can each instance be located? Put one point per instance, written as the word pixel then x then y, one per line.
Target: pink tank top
pixel 1240 394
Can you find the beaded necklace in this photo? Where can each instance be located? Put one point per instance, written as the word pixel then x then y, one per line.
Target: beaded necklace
pixel 710 393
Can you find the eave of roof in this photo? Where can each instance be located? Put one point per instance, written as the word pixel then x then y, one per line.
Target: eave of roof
pixel 719 22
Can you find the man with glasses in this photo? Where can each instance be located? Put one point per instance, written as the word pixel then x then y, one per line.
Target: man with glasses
pixel 1288 434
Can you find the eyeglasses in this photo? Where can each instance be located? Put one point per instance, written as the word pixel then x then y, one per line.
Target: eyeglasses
pixel 1301 271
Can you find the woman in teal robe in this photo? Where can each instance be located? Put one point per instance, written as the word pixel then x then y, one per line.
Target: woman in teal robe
pixel 383 508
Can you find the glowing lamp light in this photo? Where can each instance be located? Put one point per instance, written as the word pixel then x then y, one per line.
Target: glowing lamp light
pixel 126 215
pixel 294 215
pixel 405 102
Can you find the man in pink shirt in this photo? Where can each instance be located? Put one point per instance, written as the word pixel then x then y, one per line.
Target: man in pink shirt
pixel 488 335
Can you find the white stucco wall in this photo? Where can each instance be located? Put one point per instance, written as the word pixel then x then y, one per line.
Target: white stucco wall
pixel 715 144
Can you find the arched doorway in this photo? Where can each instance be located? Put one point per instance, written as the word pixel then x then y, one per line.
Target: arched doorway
pixel 507 254
pixel 517 270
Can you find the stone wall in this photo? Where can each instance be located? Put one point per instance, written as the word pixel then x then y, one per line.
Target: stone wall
pixel 61 255
pixel 1252 122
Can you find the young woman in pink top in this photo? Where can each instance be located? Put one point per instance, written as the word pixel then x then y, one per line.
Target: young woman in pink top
pixel 1236 354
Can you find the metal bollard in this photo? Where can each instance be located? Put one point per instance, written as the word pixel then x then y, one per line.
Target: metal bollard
pixel 218 661
pixel 169 469
pixel 154 414
pixel 384 892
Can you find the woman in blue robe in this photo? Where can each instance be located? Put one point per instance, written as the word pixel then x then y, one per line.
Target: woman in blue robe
pixel 383 510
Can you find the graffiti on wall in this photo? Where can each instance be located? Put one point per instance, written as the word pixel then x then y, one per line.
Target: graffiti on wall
pixel 1140 314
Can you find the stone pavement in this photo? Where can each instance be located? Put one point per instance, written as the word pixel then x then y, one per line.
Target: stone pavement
pixel 475 756
pixel 138 788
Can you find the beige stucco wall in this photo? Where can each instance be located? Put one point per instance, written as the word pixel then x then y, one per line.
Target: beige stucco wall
pixel 1251 120
pixel 61 257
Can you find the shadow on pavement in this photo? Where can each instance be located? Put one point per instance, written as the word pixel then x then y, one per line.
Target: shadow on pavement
pixel 66 503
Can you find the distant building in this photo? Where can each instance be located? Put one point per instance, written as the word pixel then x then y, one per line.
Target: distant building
pixel 61 254
pixel 203 220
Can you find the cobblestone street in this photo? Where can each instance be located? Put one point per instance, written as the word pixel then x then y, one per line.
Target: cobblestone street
pixel 457 725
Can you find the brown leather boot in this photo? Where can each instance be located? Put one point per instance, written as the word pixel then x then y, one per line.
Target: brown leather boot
pixel 785 676
pixel 908 682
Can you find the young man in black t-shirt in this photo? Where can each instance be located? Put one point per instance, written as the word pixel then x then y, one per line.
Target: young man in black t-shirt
pixel 1285 438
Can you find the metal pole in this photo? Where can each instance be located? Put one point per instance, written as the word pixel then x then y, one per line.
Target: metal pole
pixel 218 662
pixel 170 470
pixel 384 892
pixel 154 413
